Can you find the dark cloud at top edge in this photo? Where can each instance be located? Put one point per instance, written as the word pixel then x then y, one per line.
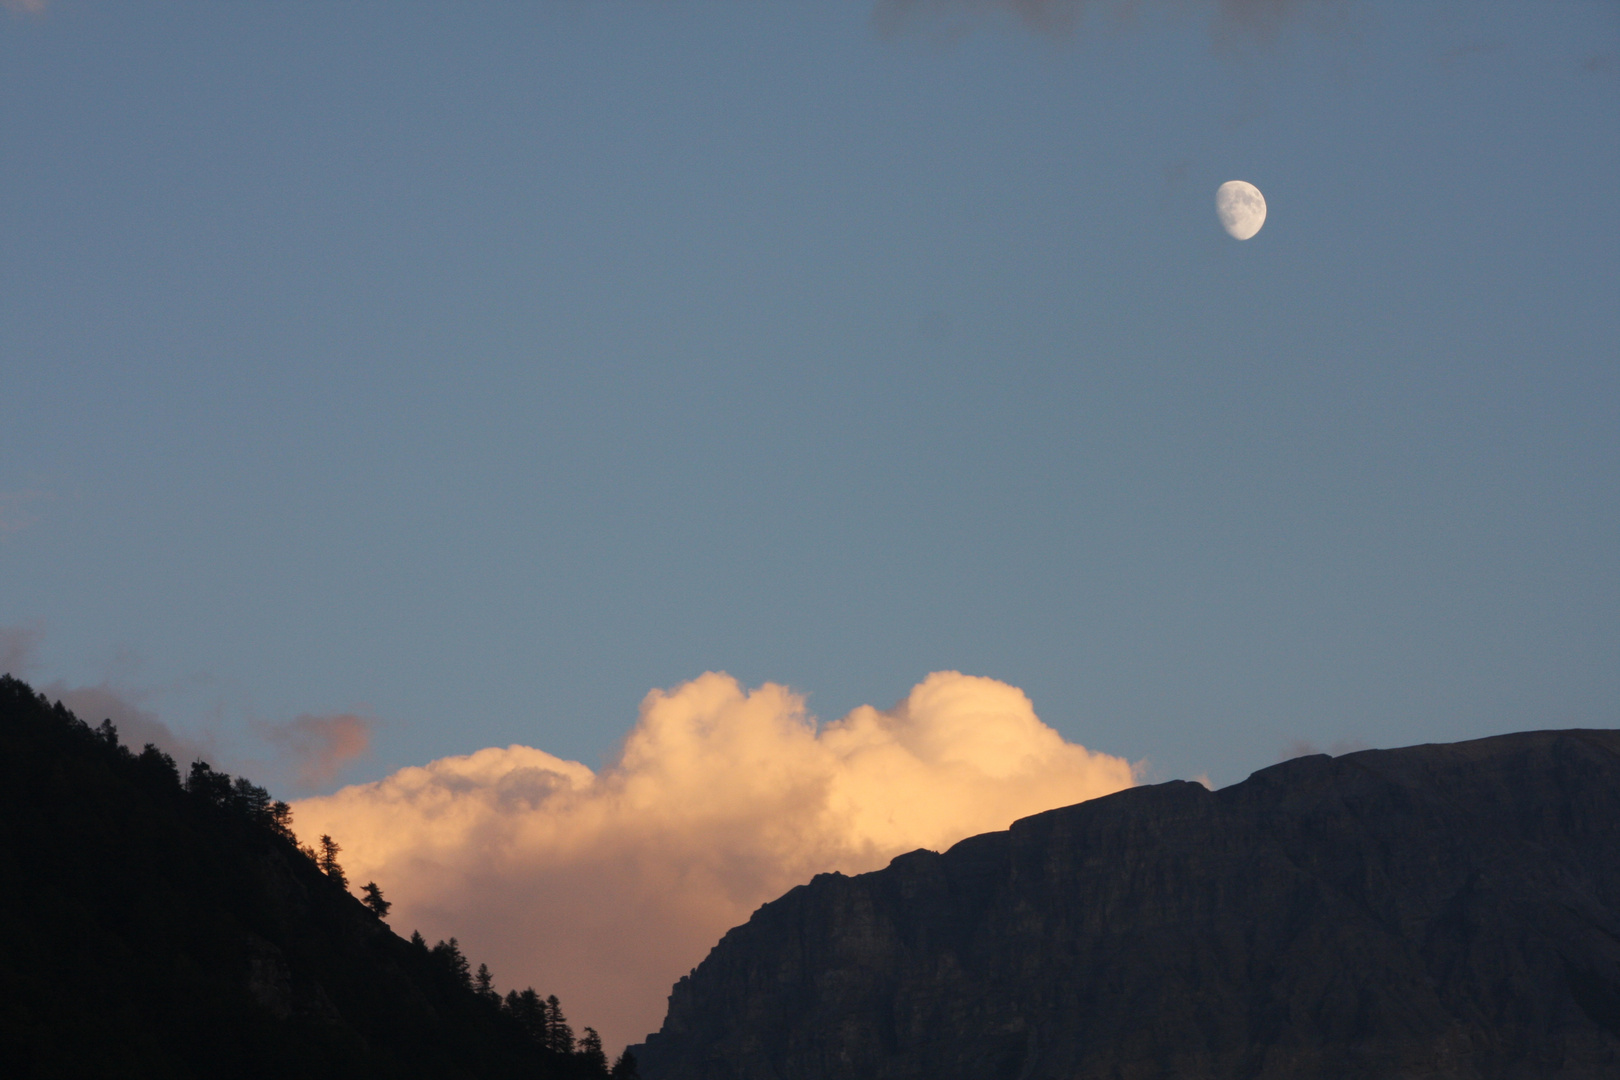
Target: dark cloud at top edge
pixel 1230 19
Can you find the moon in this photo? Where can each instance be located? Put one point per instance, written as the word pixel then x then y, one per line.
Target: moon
pixel 1241 207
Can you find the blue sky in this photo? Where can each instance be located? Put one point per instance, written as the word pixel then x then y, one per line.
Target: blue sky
pixel 478 368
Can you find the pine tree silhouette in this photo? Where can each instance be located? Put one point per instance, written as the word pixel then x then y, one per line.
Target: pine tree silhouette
pixel 327 861
pixel 373 899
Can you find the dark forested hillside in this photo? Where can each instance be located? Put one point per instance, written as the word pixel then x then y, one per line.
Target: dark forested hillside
pixel 1448 911
pixel 160 927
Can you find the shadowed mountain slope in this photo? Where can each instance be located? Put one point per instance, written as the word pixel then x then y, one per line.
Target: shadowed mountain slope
pixel 154 929
pixel 1436 911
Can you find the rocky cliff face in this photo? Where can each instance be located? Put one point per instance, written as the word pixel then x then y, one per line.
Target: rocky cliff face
pixel 1436 911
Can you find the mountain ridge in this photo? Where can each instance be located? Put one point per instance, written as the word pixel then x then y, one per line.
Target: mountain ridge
pixel 1445 910
pixel 168 929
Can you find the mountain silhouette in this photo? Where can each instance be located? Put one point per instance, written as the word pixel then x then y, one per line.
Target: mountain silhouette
pixel 1436 911
pixel 157 928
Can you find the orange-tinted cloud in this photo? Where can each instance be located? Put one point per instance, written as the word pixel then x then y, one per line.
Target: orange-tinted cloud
pixel 320 746
pixel 605 888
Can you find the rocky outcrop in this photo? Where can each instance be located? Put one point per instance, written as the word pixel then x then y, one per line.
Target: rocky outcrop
pixel 1436 911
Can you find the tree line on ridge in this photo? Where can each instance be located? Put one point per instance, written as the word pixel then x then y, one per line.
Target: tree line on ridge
pixel 180 898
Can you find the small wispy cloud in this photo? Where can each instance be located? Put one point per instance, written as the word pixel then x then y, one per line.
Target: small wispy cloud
pixel 136 725
pixel 109 699
pixel 19 646
pixel 311 751
pixel 1299 748
pixel 321 746
pixel 24 7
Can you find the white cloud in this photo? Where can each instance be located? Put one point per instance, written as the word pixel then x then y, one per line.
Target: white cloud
pixel 605 888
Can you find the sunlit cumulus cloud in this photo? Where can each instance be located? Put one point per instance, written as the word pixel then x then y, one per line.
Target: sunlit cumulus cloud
pixel 605 888
pixel 320 746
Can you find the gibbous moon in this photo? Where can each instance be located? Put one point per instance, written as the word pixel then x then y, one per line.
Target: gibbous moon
pixel 1242 208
